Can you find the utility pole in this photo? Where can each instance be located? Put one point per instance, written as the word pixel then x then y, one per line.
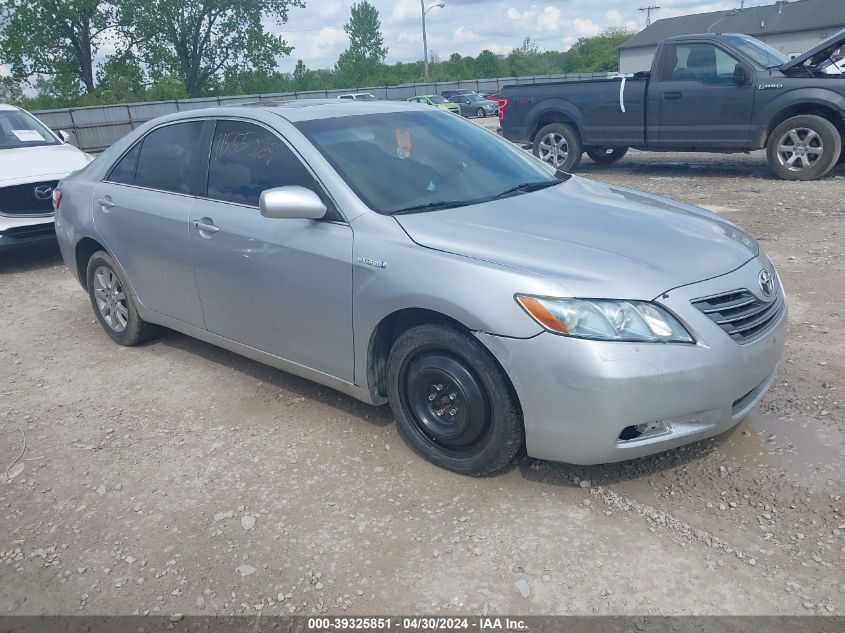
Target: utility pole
pixel 647 10
pixel 438 5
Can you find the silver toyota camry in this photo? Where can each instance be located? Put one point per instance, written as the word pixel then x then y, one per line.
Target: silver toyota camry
pixel 400 254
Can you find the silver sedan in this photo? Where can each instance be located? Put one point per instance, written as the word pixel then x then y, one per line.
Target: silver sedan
pixel 400 254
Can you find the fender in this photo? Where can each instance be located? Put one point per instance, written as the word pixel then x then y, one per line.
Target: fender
pixel 557 106
pixel 824 97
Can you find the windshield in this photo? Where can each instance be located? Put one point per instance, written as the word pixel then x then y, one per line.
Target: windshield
pixel 21 129
pixel 401 161
pixel 762 54
pixel 367 97
pixel 438 99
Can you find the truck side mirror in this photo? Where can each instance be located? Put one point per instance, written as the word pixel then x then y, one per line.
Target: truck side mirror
pixel 740 75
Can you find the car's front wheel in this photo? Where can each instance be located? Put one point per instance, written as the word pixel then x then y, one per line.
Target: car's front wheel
pixel 606 155
pixel 452 402
pixel 481 113
pixel 559 145
pixel 805 147
pixel 113 302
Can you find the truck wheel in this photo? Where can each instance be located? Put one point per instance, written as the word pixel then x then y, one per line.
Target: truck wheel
pixel 606 155
pixel 558 144
pixel 805 147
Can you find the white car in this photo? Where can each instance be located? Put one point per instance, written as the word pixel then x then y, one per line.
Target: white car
pixel 33 159
pixel 359 96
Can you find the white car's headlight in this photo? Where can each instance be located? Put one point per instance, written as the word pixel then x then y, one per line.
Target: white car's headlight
pixel 606 319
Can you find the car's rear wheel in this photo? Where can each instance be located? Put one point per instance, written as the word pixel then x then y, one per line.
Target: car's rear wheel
pixel 559 145
pixel 481 113
pixel 113 302
pixel 606 155
pixel 805 147
pixel 452 402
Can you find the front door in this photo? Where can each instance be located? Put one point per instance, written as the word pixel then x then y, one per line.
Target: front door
pixel 697 103
pixel 142 209
pixel 280 286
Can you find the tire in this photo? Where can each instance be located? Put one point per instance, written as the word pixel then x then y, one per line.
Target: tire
pixel 559 145
pixel 481 113
pixel 113 303
pixel 436 367
pixel 606 155
pixel 805 147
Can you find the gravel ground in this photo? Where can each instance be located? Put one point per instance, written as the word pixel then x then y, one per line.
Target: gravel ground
pixel 179 478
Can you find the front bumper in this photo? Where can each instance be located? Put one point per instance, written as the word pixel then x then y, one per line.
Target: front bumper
pixel 18 232
pixel 578 396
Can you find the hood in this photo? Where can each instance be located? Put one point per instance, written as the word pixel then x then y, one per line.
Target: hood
pixel 595 240
pixel 817 54
pixel 29 164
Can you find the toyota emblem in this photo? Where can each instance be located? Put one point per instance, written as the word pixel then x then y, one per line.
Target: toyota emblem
pixel 43 192
pixel 767 283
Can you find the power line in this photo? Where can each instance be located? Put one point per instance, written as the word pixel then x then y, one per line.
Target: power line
pixel 647 10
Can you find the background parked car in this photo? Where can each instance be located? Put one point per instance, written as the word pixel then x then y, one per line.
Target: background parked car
pixel 476 105
pixel 359 96
pixel 454 93
pixel 438 102
pixel 33 159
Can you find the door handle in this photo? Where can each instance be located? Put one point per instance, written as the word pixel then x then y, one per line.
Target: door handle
pixel 672 95
pixel 106 202
pixel 206 227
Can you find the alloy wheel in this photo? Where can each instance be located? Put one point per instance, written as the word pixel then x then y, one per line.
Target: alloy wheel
pixel 554 149
pixel 111 300
pixel 799 148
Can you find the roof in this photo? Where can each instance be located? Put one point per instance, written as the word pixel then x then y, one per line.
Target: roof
pixel 6 106
pixel 300 109
pixel 781 17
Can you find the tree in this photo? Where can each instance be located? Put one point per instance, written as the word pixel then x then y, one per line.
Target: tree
pixel 596 54
pixel 366 52
pixel 43 38
pixel 486 64
pixel 199 41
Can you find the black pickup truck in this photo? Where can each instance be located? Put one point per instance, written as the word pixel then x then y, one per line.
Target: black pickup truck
pixel 706 93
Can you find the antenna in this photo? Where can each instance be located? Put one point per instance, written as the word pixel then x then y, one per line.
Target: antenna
pixel 647 10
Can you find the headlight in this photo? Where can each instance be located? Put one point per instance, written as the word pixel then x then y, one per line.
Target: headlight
pixel 606 319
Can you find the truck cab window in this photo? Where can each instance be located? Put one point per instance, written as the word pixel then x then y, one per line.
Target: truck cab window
pixel 704 63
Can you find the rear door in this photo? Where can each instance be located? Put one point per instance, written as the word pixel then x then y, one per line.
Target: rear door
pixel 281 286
pixel 142 209
pixel 695 102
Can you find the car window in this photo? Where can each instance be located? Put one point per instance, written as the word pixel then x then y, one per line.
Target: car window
pixel 169 155
pixel 395 161
pixel 21 129
pixel 705 63
pixel 124 171
pixel 246 159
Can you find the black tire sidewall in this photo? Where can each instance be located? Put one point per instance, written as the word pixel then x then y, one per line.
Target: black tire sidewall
pixel 831 140
pixel 505 438
pixel 135 327
pixel 572 140
pixel 616 154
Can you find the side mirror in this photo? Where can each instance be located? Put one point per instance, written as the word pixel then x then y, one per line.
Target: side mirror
pixel 291 203
pixel 64 136
pixel 740 75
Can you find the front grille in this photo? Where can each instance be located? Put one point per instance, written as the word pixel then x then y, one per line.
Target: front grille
pixel 742 315
pixel 33 198
pixel 29 232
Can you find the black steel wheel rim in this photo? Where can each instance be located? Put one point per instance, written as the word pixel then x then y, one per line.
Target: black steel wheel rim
pixel 444 400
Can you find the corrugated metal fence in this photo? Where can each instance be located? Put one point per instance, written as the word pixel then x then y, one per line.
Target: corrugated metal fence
pixel 94 128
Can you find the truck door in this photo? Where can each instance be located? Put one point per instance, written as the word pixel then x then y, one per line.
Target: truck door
pixel 695 101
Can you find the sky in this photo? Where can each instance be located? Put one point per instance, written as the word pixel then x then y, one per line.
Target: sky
pixel 469 26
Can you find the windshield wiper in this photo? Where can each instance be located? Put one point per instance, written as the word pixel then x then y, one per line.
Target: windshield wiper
pixel 434 206
pixel 526 187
